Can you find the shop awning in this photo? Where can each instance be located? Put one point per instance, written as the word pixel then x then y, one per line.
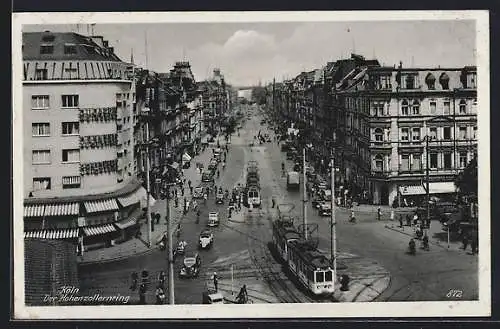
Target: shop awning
pixel 133 197
pixel 101 205
pixel 101 229
pixel 65 233
pixel 34 210
pixel 186 157
pixel 412 190
pixel 62 209
pixel 126 223
pixel 442 187
pixel 174 165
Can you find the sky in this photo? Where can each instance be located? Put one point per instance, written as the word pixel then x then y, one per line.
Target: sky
pixel 249 53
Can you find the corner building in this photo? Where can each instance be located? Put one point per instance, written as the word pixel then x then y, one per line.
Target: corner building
pixel 78 119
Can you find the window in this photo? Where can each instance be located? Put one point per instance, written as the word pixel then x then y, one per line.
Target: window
pixel 379 163
pixel 320 277
pixel 433 133
pixel 405 162
pixel 46 49
pixel 41 74
pixel 446 133
pixel 433 160
pixel 71 182
pixel 69 49
pixel 446 107
pixel 415 108
pixel 463 159
pixel 41 157
pixel 415 134
pixel 39 102
pixel 404 107
pixel 379 135
pixel 430 80
pixel 70 100
pixel 71 155
pixel 410 82
pixel 40 129
pixel 447 160
pixel 462 132
pixel 432 106
pixel 41 183
pixel 405 134
pixel 462 108
pixel 474 132
pixel 70 128
pixel 328 276
pixel 417 162
pixel 444 81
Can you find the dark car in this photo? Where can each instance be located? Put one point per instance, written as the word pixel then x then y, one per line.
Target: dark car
pixel 207 176
pixel 190 266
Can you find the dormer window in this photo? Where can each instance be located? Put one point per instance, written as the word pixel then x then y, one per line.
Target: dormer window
pixel 444 80
pixel 69 49
pixel 46 49
pixel 48 38
pixel 430 81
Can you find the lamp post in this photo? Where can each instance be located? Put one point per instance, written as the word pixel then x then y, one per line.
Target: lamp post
pixel 145 112
pixel 427 183
pixel 170 257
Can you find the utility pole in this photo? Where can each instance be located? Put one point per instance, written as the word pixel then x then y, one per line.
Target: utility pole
pixel 304 201
pixel 427 181
pixel 148 185
pixel 171 287
pixel 333 224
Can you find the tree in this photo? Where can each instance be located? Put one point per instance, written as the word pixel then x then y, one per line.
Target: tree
pixel 466 182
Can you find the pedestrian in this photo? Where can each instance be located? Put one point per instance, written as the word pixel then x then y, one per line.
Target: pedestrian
pixel 401 221
pixel 425 242
pixel 191 189
pixel 415 219
pixel 189 183
pixel 473 245
pixel 185 204
pixel 182 191
pixel 273 202
pixel 205 197
pixel 465 241
pixel 353 217
pixel 379 213
pixel 216 281
pixel 408 220
pixel 218 174
pixel 176 200
pixel 142 294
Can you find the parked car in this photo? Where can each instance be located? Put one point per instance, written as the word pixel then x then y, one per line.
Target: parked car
pixel 190 266
pixel 219 197
pixel 215 298
pixel 206 239
pixel 207 176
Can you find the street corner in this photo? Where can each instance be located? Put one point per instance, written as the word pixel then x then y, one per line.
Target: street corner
pixel 363 290
pixel 257 291
pixel 367 279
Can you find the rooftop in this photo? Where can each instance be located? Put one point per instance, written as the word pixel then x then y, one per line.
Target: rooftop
pixel 66 46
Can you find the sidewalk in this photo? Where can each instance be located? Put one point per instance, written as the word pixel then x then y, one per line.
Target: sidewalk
pixel 138 246
pixel 437 236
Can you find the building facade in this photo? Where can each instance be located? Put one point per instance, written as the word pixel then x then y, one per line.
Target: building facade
pixel 78 136
pixel 384 125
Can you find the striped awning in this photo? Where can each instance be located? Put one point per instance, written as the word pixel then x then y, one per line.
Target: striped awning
pixel 62 209
pixel 34 210
pixel 101 205
pixel 133 197
pixel 126 223
pixel 412 190
pixel 101 229
pixel 64 233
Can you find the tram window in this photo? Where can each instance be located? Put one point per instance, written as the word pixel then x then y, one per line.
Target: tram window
pixel 328 275
pixel 320 276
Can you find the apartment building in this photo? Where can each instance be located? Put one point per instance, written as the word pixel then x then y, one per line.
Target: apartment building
pixel 77 137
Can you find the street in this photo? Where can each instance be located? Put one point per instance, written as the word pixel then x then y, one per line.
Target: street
pixel 428 276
